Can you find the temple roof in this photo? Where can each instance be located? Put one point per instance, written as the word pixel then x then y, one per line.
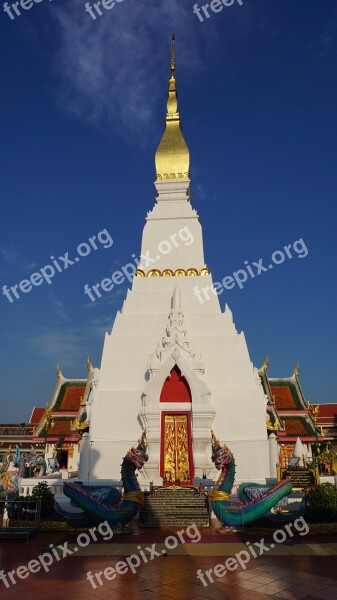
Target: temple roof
pixel 70 396
pixel 67 403
pixel 287 407
pixel 327 415
pixel 287 393
pixel 37 415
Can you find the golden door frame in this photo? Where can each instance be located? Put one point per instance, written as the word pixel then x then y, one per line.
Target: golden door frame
pixel 176 448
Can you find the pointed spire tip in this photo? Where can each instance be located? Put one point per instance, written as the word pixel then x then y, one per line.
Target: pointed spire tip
pixel 173 55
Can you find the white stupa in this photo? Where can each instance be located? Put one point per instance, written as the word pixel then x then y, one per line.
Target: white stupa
pixel 171 364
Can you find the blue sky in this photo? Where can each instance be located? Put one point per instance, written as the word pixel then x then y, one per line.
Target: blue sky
pixel 82 107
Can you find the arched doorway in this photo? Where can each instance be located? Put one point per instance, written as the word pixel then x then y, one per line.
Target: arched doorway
pixel 176 464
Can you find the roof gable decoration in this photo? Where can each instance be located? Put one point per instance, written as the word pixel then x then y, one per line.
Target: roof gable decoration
pixel 262 373
pixel 273 421
pixel 175 339
pixel 201 393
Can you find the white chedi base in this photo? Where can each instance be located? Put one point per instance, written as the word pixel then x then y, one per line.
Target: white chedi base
pixel 163 323
pixel 226 390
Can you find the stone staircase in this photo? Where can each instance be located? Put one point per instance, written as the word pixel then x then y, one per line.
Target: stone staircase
pixel 174 507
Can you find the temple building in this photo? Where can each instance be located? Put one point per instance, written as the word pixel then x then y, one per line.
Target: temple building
pixel 64 420
pixel 289 415
pixel 327 423
pixel 17 434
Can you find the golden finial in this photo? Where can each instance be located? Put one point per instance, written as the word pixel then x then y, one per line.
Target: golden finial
pixel 265 364
pixel 89 365
pixel 172 155
pixel 297 369
pixel 58 371
pixel 173 55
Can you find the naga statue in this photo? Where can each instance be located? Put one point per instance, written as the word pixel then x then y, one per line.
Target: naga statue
pixel 32 465
pixel 4 466
pixel 36 464
pixel 255 500
pixel 108 504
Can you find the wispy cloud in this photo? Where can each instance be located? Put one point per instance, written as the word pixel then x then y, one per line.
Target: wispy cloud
pixel 58 307
pixel 69 345
pixel 114 297
pixel 112 69
pixel 326 42
pixel 14 259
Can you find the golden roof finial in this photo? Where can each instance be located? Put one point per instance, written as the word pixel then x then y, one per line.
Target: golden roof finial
pixel 266 364
pixel 297 369
pixel 89 365
pixel 172 156
pixel 58 371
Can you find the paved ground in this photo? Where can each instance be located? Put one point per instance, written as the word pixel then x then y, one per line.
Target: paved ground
pixel 306 569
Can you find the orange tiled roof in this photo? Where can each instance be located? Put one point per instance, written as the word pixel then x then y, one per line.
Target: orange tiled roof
pixel 283 397
pixel 72 398
pixel 37 415
pixel 295 427
pixel 60 428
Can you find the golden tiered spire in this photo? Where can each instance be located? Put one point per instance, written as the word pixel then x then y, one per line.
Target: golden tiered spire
pixel 172 156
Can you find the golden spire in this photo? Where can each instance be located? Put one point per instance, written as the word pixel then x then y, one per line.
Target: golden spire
pixel 173 55
pixel 172 156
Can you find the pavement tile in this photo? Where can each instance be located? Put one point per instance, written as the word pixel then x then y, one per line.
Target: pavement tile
pixel 288 595
pixel 268 589
pixel 325 595
pixel 262 579
pixel 250 585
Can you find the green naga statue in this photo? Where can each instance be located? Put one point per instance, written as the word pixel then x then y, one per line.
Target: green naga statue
pixel 108 503
pixel 255 500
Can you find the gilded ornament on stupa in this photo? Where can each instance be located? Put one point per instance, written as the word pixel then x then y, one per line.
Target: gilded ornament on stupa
pixel 172 156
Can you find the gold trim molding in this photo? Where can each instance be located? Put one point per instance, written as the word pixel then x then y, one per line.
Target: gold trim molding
pixel 191 272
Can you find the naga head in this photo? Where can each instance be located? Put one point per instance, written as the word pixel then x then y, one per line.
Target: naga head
pixel 138 456
pixel 221 455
